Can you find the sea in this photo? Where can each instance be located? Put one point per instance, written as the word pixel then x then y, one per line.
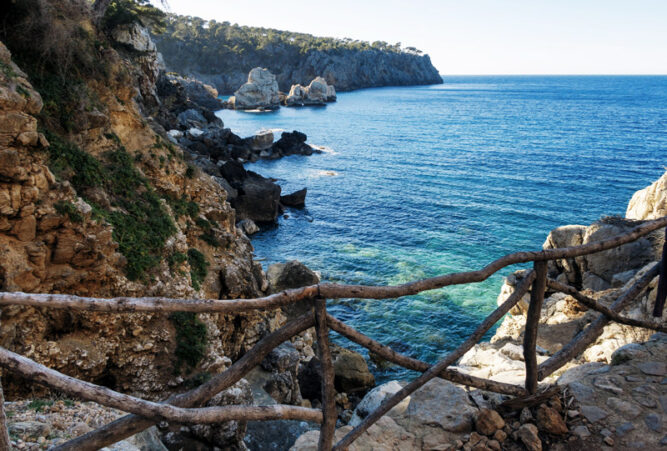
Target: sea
pixel 415 182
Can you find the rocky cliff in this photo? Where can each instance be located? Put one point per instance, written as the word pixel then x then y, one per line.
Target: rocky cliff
pixel 94 200
pixel 222 55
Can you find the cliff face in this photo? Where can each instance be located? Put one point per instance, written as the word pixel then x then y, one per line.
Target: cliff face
pixel 95 201
pixel 222 55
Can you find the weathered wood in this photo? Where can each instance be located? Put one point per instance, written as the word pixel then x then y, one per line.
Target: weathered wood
pixel 390 402
pixel 328 427
pixel 587 336
pixel 326 290
pixel 33 371
pixel 532 324
pixel 153 304
pixel 535 399
pixel 594 305
pixel 4 434
pixel 417 365
pixel 332 291
pixel 661 296
pixel 133 424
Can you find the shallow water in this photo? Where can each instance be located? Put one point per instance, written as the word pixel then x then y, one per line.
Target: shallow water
pixel 421 181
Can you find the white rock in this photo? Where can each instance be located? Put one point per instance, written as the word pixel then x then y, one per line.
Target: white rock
pixel 261 91
pixel 650 202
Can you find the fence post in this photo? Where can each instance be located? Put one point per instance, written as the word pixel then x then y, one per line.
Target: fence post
pixel 4 434
pixel 328 392
pixel 532 322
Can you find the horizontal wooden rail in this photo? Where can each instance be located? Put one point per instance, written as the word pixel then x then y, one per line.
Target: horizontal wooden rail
pixel 32 370
pixel 594 305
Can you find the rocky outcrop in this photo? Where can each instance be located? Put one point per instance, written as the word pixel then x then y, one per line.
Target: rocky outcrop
pixel 194 91
pixel 649 203
pixel 137 39
pixel 257 198
pixel 597 271
pixel 318 92
pixel 259 92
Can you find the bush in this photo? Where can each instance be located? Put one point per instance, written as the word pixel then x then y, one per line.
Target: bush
pixel 190 339
pixel 198 267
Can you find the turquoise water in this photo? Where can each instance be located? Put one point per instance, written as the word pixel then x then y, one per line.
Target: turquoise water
pixel 422 181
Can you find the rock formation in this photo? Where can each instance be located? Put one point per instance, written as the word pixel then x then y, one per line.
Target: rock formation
pixel 649 203
pixel 318 92
pixel 259 92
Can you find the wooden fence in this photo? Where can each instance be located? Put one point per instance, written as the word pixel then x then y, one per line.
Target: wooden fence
pixel 186 407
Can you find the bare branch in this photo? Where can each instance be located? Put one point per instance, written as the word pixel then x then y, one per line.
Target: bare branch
pixel 594 305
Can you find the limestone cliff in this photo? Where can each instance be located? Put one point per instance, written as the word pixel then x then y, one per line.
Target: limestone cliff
pixel 95 201
pixel 222 55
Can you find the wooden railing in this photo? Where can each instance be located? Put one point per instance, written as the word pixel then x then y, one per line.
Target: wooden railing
pixel 186 407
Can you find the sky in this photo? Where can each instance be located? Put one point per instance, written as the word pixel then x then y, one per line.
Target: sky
pixel 477 36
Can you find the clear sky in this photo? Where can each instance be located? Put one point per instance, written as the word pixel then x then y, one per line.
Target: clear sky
pixel 477 36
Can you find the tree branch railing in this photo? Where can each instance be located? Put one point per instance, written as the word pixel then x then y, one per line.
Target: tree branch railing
pixel 188 407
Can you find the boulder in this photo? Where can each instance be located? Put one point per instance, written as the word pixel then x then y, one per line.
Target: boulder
pixel 248 226
pixel 296 199
pixel 293 143
pixel 258 198
pixel 293 274
pixel 191 118
pixel 260 91
pixel 650 202
pixel 282 358
pixel 261 141
pixel 351 372
pixel 374 398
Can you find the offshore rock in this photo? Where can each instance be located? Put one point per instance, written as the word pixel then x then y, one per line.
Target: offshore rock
pixel 297 199
pixel 318 92
pixel 259 92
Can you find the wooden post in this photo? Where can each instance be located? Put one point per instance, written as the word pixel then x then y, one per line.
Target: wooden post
pixel 662 283
pixel 4 434
pixel 328 392
pixel 532 323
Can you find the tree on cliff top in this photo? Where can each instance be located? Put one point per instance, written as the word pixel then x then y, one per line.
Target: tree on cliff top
pixel 112 13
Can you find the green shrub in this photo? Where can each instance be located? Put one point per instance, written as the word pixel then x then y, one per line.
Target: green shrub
pixel 198 267
pixel 67 208
pixel 140 221
pixel 190 339
pixel 183 207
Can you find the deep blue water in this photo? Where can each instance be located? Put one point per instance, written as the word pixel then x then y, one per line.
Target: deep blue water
pixel 422 181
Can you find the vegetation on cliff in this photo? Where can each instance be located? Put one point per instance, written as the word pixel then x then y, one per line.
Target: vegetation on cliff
pixel 224 53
